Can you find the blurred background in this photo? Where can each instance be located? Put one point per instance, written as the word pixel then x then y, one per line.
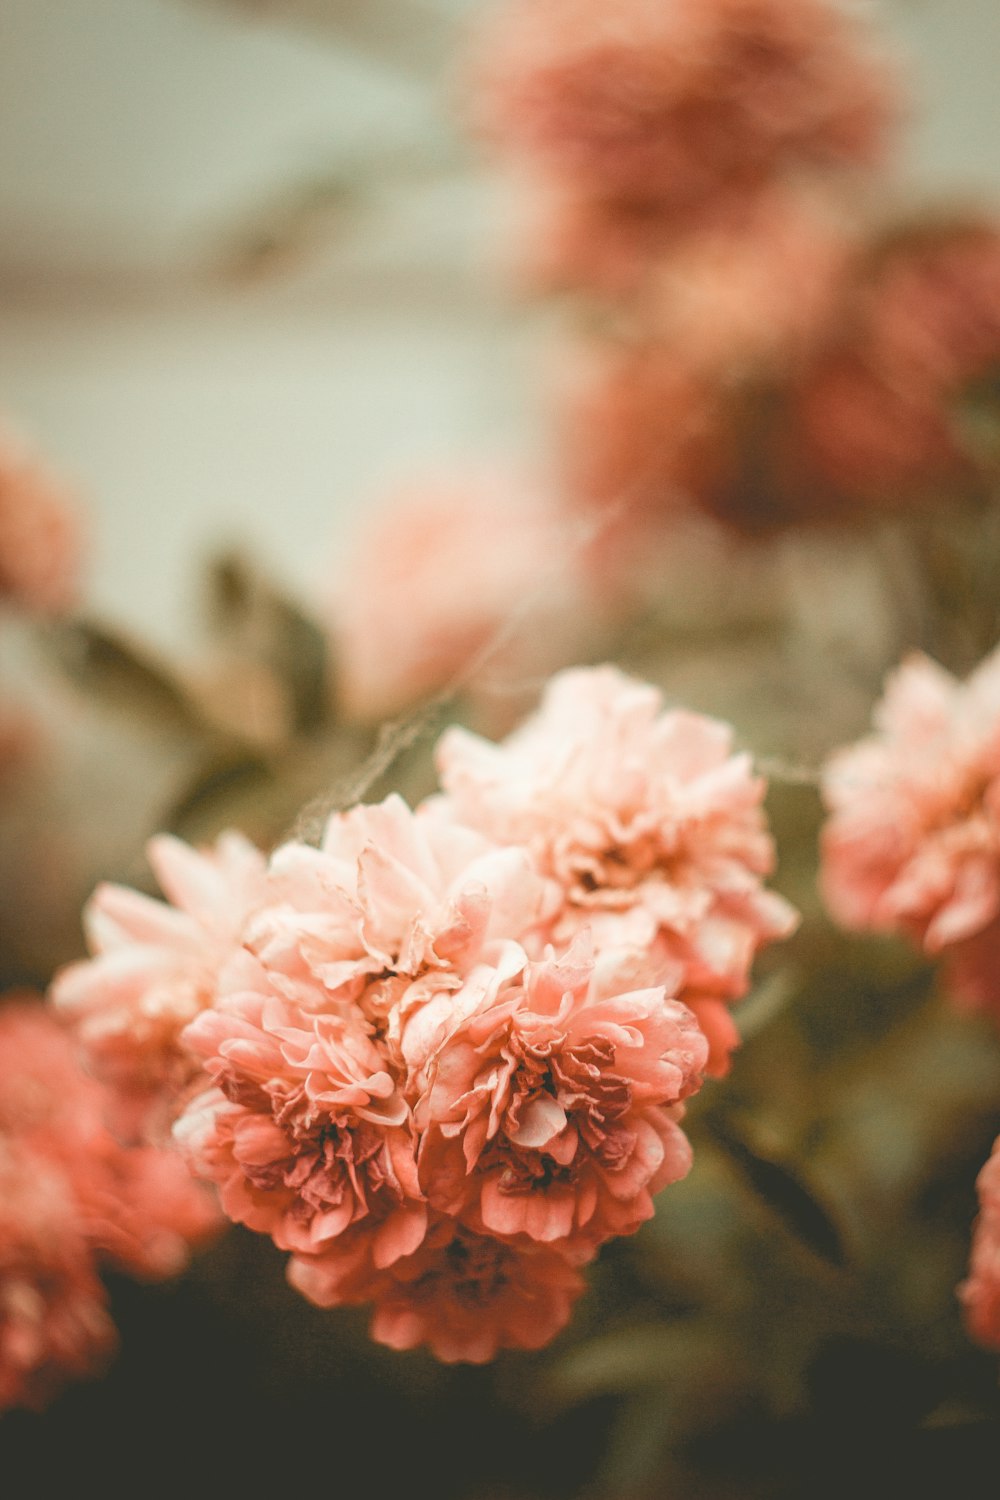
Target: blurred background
pixel 248 274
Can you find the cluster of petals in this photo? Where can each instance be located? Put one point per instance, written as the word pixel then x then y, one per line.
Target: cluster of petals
pixel 912 842
pixel 643 112
pixel 73 1200
pixel 650 826
pixel 980 1292
pixel 154 966
pixel 426 1116
pixel 424 603
pixel 874 419
pixel 39 532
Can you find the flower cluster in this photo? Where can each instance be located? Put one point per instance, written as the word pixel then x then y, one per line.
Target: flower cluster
pixel 72 1200
pixel 912 844
pixel 443 1057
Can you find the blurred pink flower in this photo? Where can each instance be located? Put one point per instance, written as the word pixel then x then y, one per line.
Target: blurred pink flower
pixel 874 420
pixel 672 104
pixel 54 1324
pixel 155 965
pixel 464 1295
pixel 980 1293
pixel 912 843
pixel 552 1104
pixel 39 532
pixel 463 577
pixel 648 823
pixel 73 1200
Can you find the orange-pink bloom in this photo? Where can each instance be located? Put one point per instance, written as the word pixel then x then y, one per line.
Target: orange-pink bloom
pixel 72 1201
pixel 155 965
pixel 980 1292
pixel 464 1295
pixel 648 823
pixel 551 1103
pixel 912 843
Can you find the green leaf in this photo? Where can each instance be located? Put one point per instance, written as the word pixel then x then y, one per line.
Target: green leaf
pixel 780 1187
pixel 108 665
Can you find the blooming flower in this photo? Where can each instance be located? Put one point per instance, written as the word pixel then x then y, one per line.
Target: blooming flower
pixel 155 965
pixel 980 1293
pixel 650 826
pixel 73 1200
pixel 39 541
pixel 912 843
pixel 465 1295
pixel 670 106
pixel 424 599
pixel 550 1109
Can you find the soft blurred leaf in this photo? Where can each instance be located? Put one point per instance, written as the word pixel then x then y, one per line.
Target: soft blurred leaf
pixel 227 793
pixel 128 677
pixel 780 1186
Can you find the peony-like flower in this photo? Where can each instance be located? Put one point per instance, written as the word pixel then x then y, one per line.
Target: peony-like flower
pixel 306 1131
pixel 465 1295
pixel 874 419
pixel 155 965
pixel 72 1201
pixel 391 897
pixel 669 104
pixel 650 826
pixel 551 1103
pixel 425 601
pixel 912 843
pixel 980 1293
pixel 39 533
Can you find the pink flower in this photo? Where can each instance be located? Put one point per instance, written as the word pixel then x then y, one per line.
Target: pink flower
pixel 464 1295
pixel 673 104
pixel 73 1200
pixel 980 1293
pixel 306 1131
pixel 155 966
pixel 912 844
pixel 873 420
pixel 425 601
pixel 650 826
pixel 39 540
pixel 551 1104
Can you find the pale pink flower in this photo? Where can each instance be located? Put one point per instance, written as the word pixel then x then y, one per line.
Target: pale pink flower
pixel 155 965
pixel 980 1293
pixel 391 897
pixel 912 843
pixel 874 419
pixel 468 577
pixel 551 1104
pixel 39 532
pixel 673 103
pixel 650 825
pixel 465 1295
